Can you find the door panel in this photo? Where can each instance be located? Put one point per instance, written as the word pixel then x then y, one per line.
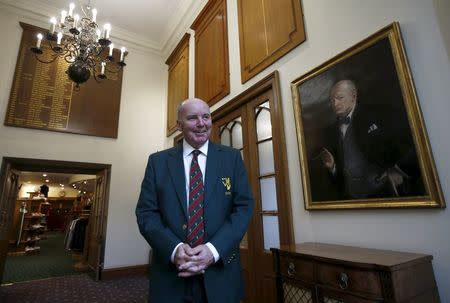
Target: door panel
pixel 7 204
pixel 97 222
pixel 258 117
pixel 229 131
pixel 265 223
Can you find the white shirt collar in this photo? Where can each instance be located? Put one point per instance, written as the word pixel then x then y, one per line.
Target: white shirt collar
pixel 188 149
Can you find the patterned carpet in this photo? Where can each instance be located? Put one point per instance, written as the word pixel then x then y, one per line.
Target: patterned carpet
pixel 78 288
pixel 52 261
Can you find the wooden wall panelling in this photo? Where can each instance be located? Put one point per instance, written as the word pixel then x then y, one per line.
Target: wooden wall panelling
pixel 43 97
pixel 212 78
pixel 268 29
pixel 178 84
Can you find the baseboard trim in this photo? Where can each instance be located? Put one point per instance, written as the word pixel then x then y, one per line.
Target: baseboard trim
pixel 122 272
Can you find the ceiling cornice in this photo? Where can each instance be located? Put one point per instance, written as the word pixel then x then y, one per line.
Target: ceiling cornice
pixel 38 13
pixel 180 23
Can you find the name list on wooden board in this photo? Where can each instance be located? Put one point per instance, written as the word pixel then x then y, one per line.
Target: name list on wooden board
pixel 43 97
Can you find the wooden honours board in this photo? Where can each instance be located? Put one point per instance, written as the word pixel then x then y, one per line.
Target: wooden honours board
pixel 43 97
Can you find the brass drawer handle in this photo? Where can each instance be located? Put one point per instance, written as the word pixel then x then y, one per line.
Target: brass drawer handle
pixel 291 269
pixel 343 280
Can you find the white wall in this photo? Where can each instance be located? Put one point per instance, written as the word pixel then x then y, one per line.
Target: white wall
pixel 442 8
pixel 140 133
pixel 332 27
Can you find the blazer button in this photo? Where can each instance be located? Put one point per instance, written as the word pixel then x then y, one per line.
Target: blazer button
pixel 184 226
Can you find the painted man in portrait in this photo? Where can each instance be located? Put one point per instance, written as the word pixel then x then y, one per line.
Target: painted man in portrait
pixel 366 154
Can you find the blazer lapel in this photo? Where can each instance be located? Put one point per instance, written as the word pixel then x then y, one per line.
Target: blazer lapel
pixel 212 169
pixel 176 169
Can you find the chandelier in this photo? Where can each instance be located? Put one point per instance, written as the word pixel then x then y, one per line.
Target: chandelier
pixel 81 43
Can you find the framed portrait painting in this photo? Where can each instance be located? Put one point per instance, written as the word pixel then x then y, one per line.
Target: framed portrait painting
pixel 361 136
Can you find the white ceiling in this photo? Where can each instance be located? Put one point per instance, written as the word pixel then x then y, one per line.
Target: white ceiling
pixel 37 177
pixel 149 22
pixel 54 178
pixel 84 182
pixel 143 17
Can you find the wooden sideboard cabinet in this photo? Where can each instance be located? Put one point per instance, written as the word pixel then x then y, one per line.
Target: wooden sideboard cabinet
pixel 326 273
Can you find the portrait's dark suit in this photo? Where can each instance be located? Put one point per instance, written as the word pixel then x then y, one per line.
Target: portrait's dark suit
pixel 162 217
pixel 376 140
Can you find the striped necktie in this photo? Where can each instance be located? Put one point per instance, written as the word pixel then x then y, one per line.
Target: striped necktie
pixel 196 230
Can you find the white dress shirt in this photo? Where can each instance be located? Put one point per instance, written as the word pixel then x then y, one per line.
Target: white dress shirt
pixel 187 159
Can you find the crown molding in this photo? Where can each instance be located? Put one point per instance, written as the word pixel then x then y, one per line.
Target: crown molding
pixel 180 24
pixel 39 14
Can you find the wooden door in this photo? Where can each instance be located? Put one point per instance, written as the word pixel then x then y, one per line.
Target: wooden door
pixel 97 226
pixel 8 197
pixel 256 128
pixel 229 131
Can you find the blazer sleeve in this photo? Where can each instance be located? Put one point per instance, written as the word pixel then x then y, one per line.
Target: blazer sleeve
pixel 149 219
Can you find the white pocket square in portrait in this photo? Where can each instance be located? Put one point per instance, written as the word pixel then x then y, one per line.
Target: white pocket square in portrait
pixel 372 128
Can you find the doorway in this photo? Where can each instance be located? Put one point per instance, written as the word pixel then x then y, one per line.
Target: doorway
pixel 252 122
pixel 45 204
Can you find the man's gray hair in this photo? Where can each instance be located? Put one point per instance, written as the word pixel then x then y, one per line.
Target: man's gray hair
pixel 179 110
pixel 349 83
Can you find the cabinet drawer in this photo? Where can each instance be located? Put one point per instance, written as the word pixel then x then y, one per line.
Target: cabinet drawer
pixel 332 296
pixel 296 268
pixel 349 279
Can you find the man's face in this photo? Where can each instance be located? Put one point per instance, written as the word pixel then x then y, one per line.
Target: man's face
pixel 195 122
pixel 343 99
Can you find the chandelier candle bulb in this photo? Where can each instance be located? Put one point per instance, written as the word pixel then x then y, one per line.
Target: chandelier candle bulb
pixel 76 18
pixel 63 16
pixel 39 40
pixel 59 38
pixel 71 7
pixel 122 52
pixel 102 72
pixel 94 15
pixel 52 25
pixel 107 29
pixel 82 43
pixel 111 47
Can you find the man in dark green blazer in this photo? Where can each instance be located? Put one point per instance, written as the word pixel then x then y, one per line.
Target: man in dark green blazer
pixel 183 271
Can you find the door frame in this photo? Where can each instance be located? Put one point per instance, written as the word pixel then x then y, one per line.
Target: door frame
pixel 272 82
pixel 269 83
pixel 10 186
pixel 57 166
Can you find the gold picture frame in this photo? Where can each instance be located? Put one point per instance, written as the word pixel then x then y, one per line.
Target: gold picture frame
pixel 361 136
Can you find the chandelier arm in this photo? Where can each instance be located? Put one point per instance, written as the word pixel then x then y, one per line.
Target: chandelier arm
pixel 102 48
pixel 91 63
pixel 46 62
pixel 65 51
pixel 72 54
pixel 57 50
pixel 96 79
pixel 49 43
pixel 69 56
